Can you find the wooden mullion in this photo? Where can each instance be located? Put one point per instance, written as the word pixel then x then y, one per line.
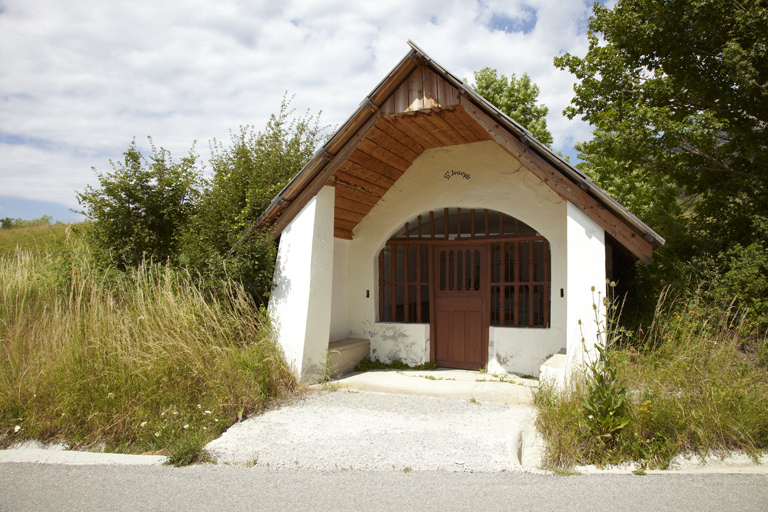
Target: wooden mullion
pixel 418 277
pixel 407 230
pixel 406 288
pixel 445 223
pixel 419 217
pixel 472 222
pixel 487 224
pixel 458 223
pixel 516 303
pixel 531 277
pixel 393 274
pixel 502 283
pixel 382 285
pixel 547 286
pixel 432 224
pixel 501 224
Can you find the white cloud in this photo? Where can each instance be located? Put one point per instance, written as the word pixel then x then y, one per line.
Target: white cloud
pixel 81 78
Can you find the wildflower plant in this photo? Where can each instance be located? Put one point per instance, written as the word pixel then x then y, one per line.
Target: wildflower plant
pixel 605 400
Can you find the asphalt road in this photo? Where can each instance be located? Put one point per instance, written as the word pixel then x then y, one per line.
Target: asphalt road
pixel 43 487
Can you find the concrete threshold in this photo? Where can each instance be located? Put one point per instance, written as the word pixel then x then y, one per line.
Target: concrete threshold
pixel 443 383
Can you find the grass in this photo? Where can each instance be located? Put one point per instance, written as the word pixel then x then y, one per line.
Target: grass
pixel 147 362
pixel 696 383
pixel 37 237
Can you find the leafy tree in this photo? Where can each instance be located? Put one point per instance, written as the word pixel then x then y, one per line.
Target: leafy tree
pixel 141 208
pixel 679 88
pixel 676 91
pixel 517 98
pixel 247 174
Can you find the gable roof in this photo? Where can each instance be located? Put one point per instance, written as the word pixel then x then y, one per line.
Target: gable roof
pixel 420 105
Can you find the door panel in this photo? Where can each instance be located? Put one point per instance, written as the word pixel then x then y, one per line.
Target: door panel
pixel 461 317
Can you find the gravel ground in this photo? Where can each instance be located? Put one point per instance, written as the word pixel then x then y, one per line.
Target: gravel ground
pixel 376 431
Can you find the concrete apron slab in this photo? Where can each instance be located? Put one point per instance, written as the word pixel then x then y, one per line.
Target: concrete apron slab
pixel 444 383
pixel 526 446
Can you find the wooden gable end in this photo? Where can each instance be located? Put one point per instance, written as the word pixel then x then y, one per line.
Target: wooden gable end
pixel 421 106
pixel 423 112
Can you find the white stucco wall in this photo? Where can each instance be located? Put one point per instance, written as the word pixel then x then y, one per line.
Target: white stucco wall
pixel 586 270
pixel 496 181
pixel 339 300
pixel 300 305
pixel 408 343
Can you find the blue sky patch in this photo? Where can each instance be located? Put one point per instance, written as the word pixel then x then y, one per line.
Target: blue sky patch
pixel 19 140
pixel 524 24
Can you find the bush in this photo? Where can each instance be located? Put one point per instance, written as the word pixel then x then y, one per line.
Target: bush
pixel 141 208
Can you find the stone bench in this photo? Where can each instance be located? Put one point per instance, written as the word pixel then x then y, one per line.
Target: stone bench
pixel 343 355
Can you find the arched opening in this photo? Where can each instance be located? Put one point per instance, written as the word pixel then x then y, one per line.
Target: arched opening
pixel 461 271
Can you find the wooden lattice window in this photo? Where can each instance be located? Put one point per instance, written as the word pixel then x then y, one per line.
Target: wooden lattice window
pixel 520 283
pixel 404 283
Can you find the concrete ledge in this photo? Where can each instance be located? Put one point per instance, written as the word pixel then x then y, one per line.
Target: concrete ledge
pixel 554 369
pixel 343 355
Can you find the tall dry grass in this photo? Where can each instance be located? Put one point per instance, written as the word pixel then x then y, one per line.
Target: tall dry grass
pixel 143 362
pixel 697 382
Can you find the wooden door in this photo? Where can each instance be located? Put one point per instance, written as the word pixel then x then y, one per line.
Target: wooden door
pixel 460 322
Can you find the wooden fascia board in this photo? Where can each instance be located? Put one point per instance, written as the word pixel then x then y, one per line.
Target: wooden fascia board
pixel 371 104
pixel 563 187
pixel 321 178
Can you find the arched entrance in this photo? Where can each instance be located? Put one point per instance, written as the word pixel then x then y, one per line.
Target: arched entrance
pixel 461 271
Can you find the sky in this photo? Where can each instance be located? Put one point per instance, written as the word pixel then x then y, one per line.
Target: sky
pixel 80 79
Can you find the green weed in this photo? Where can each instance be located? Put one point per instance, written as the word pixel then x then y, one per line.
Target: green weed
pixel 695 383
pixel 144 362
pixel 368 364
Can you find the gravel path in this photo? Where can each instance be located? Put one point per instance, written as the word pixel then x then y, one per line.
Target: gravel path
pixel 375 431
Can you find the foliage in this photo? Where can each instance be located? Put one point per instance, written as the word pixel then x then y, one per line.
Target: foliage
pixel 696 384
pixel 246 176
pixel 604 400
pixel 681 86
pixel 141 208
pixel 9 223
pixel 146 360
pixel 517 98
pixel 676 91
